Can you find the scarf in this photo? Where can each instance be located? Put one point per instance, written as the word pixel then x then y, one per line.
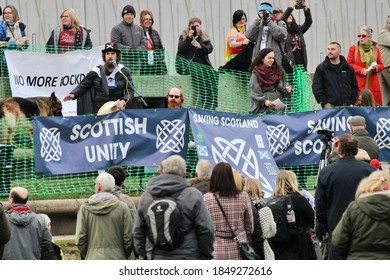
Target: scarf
pixel 240 28
pixel 366 53
pixel 268 76
pixel 14 31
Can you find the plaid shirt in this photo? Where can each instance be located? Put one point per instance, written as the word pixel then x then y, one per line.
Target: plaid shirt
pixel 239 213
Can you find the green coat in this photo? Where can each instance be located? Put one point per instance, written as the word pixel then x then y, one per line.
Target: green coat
pixel 363 233
pixel 104 228
pixel 366 143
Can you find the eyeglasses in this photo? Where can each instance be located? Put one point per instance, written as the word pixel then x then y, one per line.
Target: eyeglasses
pixel 8 13
pixel 362 36
pixel 174 96
pixel 64 16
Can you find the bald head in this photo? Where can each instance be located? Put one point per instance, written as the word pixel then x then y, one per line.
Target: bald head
pixel 18 195
pixel 175 98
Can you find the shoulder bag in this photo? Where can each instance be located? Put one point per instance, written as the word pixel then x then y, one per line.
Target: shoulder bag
pixel 246 251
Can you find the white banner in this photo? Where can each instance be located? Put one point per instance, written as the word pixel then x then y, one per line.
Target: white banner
pixel 39 74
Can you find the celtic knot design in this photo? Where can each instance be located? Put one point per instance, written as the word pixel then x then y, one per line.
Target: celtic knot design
pixel 278 138
pixel 382 136
pixel 50 144
pixel 240 158
pixel 170 136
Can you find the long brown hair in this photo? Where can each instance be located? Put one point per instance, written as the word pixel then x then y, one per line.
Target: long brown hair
pixel 367 98
pixel 222 181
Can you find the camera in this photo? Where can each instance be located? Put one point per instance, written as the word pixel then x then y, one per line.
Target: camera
pixel 194 29
pixel 328 134
pixel 266 15
pixel 299 4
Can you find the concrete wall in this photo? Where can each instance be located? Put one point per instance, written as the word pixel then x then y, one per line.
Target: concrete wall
pixel 62 212
pixel 334 20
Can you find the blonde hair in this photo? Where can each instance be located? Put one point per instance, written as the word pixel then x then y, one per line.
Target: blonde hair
pixel 286 183
pixel 362 155
pixel 74 20
pixel 239 180
pixel 254 188
pixel 377 181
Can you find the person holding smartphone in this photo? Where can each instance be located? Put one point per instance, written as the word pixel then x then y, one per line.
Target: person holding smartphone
pixel 295 42
pixel 195 46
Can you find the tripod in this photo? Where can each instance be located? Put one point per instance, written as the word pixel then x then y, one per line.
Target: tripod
pixel 324 153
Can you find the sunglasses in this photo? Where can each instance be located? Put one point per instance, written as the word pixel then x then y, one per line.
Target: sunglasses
pixel 362 36
pixel 174 96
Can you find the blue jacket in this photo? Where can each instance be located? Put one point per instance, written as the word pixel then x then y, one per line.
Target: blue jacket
pixel 3 33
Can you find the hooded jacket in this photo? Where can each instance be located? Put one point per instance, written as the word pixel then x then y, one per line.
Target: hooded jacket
pixel 185 49
pixel 29 234
pixel 103 228
pixel 196 221
pixel 200 183
pixel 364 230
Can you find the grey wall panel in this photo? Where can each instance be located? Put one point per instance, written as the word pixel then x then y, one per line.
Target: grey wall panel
pixel 334 20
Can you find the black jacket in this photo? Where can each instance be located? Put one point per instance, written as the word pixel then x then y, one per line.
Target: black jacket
pixel 186 50
pixel 335 84
pixel 299 30
pixel 300 246
pixel 91 95
pixel 336 187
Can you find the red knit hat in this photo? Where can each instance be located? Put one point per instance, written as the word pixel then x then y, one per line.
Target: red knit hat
pixel 376 163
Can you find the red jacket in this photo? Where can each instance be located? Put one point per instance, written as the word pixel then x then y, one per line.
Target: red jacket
pixel 358 66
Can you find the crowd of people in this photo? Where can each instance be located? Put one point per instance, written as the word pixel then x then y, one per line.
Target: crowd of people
pixel 338 80
pixel 212 215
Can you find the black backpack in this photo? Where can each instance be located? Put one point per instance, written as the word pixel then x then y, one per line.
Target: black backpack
pixel 163 218
pixel 284 230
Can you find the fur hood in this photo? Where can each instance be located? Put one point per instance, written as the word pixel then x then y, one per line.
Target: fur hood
pixel 196 180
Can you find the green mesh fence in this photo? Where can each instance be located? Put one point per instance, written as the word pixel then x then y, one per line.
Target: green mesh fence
pixel 203 88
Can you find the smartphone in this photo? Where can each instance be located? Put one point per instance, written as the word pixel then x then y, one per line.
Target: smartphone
pixel 194 28
pixel 299 4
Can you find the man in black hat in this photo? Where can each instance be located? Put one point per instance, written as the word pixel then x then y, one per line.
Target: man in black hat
pixel 108 82
pixel 127 34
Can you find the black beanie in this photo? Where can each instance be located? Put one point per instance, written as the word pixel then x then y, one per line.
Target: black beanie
pixel 128 9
